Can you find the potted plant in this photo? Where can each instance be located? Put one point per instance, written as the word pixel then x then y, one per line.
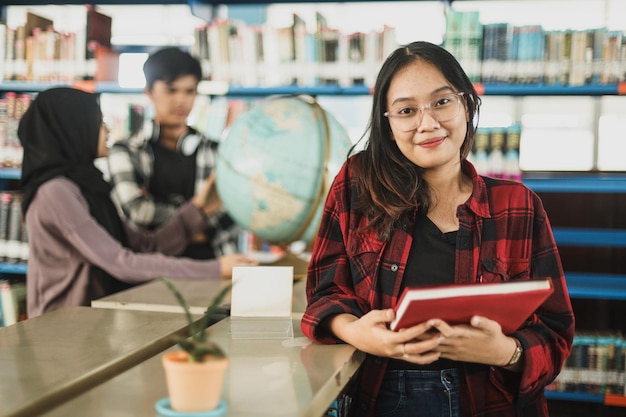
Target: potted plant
pixel 195 374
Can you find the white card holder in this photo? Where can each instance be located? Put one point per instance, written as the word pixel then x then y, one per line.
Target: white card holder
pixel 261 302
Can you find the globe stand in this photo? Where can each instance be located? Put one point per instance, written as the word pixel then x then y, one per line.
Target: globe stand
pixel 299 264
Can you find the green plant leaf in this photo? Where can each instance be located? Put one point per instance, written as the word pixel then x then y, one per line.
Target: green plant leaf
pixel 181 300
pixel 196 344
pixel 217 301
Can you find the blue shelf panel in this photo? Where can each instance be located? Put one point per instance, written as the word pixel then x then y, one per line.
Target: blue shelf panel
pixel 37 87
pixel 575 396
pixel 291 90
pixel 566 183
pixel 113 87
pixel 12 268
pixel 28 86
pixel 589 237
pixel 489 89
pixel 596 286
pixel 10 173
pixel 549 90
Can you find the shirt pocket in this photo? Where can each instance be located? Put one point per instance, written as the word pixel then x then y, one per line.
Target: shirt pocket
pixel 363 250
pixel 504 269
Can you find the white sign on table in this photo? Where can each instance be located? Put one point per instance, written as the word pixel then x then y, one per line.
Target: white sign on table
pixel 261 302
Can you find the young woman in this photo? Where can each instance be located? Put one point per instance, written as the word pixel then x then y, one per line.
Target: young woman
pixel 410 210
pixel 80 250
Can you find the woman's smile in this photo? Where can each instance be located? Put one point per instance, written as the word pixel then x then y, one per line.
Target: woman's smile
pixel 432 143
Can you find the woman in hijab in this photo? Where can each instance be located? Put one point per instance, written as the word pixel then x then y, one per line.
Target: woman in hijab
pixel 80 249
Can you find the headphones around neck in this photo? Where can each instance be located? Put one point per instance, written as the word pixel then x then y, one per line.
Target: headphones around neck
pixel 187 143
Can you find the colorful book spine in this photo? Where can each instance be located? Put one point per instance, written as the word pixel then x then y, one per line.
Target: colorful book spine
pixel 13 251
pixel 511 169
pixel 495 152
pixel 495 158
pixel 13 296
pixel 595 365
pixel 5 210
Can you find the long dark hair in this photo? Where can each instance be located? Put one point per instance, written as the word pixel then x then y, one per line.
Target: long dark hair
pixel 391 185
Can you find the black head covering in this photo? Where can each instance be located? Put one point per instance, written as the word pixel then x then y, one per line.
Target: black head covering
pixel 59 133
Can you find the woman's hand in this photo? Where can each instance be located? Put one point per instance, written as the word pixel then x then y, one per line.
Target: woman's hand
pixel 371 334
pixel 227 262
pixel 207 198
pixel 482 341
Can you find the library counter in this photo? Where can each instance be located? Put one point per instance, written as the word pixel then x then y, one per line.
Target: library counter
pixel 266 377
pixel 48 359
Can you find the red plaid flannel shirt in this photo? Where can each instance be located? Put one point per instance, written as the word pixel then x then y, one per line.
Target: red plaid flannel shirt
pixel 504 234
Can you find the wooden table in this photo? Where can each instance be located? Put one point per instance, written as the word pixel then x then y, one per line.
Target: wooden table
pixel 53 357
pixel 273 378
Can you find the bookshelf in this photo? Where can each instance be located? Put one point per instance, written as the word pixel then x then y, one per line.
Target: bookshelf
pixel 601 286
pixel 16 267
pixel 591 235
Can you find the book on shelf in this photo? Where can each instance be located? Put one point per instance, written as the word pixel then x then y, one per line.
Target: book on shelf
pixel 101 61
pixel 511 169
pixel 35 21
pixel 107 63
pixel 530 54
pixel 210 116
pixel 98 31
pixel 13 301
pixel 496 39
pixel 556 65
pixel 479 155
pixel 5 209
pixel 13 251
pixel 13 236
pixel 495 152
pixel 495 160
pixel 611 70
pixel 464 40
pixel 509 303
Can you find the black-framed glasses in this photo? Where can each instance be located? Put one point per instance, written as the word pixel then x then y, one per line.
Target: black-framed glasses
pixel 444 108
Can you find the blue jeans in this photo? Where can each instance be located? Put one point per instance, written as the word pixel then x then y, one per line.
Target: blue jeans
pixel 415 393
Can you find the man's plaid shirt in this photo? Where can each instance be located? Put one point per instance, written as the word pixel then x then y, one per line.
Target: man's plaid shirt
pixel 130 166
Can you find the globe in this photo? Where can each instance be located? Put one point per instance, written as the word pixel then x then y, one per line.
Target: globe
pixel 275 164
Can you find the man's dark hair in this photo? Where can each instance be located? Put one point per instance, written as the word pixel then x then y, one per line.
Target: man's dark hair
pixel 168 64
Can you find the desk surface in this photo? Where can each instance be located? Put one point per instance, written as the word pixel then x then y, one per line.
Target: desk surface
pixel 155 296
pixel 47 359
pixel 273 378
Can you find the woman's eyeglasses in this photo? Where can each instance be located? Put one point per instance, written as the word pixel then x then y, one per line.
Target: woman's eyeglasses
pixel 442 109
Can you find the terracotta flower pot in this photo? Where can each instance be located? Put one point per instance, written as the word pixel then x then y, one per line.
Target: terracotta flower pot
pixel 193 386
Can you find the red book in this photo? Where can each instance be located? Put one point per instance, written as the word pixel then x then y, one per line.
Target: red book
pixel 509 303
